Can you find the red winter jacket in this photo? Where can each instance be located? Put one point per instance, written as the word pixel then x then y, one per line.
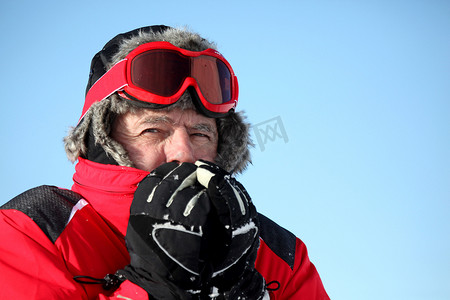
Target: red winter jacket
pixel 49 235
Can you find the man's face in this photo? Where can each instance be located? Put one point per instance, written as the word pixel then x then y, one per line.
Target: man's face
pixel 154 137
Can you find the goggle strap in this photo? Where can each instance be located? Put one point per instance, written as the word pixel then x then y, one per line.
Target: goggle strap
pixel 111 82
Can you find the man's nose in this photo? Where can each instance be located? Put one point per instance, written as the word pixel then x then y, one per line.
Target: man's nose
pixel 179 148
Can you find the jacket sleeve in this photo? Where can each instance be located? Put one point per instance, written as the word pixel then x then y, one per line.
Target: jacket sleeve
pixel 305 282
pixel 30 264
pixel 32 267
pixel 284 263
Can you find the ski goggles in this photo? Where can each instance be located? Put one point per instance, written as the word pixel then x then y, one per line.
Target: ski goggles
pixel 159 73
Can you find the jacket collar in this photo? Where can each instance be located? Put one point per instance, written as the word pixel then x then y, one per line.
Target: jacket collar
pixel 109 189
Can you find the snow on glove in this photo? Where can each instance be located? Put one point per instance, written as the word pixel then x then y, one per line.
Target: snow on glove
pixel 164 235
pixel 234 275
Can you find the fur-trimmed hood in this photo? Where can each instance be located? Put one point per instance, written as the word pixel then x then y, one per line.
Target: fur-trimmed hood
pixel 91 137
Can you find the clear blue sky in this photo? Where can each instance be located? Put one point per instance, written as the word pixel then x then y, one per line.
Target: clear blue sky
pixel 362 89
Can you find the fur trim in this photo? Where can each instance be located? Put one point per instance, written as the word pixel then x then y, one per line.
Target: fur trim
pixel 100 116
pixel 234 141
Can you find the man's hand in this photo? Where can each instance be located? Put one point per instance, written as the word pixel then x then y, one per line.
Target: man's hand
pixel 234 275
pixel 164 237
pixel 193 234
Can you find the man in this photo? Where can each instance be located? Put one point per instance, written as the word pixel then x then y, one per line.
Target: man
pixel 154 212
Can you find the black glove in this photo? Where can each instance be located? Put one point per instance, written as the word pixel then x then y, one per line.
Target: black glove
pixel 164 237
pixel 233 261
pixel 193 234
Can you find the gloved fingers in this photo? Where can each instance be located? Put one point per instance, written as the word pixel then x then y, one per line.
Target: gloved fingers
pixel 147 187
pixel 157 191
pixel 229 197
pixel 211 176
pixel 164 169
pixel 206 170
pixel 238 216
pixel 174 178
pixel 248 203
pixel 190 206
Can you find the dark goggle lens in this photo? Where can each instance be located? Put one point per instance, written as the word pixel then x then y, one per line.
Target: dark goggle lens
pixel 162 72
pixel 213 78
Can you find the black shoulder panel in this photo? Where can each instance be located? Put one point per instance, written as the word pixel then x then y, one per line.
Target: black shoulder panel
pixel 48 206
pixel 281 241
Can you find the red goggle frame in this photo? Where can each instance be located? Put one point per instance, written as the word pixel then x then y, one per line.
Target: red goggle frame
pixel 159 73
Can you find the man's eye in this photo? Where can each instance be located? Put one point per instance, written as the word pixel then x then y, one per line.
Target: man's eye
pixel 150 130
pixel 201 135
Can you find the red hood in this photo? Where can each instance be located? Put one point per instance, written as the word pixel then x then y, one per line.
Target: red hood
pixel 108 188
